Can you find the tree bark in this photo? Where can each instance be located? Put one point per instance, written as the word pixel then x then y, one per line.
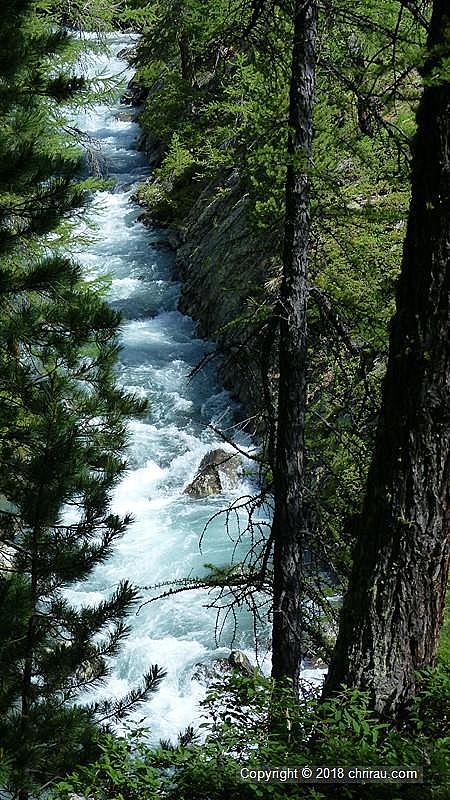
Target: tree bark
pixel 393 610
pixel 187 64
pixel 289 518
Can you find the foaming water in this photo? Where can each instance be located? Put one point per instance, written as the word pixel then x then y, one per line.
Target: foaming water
pixel 160 349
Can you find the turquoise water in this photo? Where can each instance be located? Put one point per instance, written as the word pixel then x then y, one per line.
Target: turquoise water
pixel 160 348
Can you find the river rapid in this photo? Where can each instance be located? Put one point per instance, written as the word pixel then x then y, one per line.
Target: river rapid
pixel 159 349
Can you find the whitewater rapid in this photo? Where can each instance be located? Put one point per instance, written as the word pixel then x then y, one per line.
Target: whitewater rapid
pixel 159 349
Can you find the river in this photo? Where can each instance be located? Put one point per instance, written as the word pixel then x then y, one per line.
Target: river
pixel 159 349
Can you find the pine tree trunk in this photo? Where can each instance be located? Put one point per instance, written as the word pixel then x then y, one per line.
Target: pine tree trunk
pixel 393 610
pixel 187 64
pixel 289 523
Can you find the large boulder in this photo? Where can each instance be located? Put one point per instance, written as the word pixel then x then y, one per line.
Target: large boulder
pixel 208 672
pixel 239 661
pixel 217 468
pixel 205 483
pixel 226 462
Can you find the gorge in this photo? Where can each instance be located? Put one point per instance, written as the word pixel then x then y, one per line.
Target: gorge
pixel 159 350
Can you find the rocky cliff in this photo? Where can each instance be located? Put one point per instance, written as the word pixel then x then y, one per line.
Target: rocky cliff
pixel 223 267
pixel 223 271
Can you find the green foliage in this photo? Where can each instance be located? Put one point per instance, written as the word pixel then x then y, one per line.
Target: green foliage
pixel 62 424
pixel 171 191
pixel 96 16
pixel 122 772
pixel 255 724
pixel 217 104
pixel 443 655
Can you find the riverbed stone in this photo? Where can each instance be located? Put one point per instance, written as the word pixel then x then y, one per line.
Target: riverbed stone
pixel 240 662
pixel 215 468
pixel 126 116
pixel 224 461
pixel 206 672
pixel 89 670
pixel 206 483
pixel 311 661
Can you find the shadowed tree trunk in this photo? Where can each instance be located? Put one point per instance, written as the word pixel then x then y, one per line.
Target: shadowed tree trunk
pixel 289 519
pixel 393 610
pixel 187 64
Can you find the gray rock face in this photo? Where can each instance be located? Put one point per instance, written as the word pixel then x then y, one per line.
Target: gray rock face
pixel 224 461
pixel 215 468
pixel 205 483
pixel 240 662
pixel 136 93
pixel 207 673
pixel 221 281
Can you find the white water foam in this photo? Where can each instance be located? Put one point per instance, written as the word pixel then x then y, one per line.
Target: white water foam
pixel 159 350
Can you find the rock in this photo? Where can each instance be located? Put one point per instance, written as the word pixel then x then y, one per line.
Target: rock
pixel 152 147
pixel 146 219
pixel 173 239
pixel 240 662
pixel 205 483
pixel 7 556
pixel 219 281
pixel 224 461
pixel 126 53
pixel 313 662
pixel 135 95
pixel 206 673
pixel 163 243
pixel 126 116
pixel 216 466
pixel 90 670
pixel 6 506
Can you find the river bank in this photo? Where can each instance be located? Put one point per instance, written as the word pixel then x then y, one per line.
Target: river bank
pixel 228 274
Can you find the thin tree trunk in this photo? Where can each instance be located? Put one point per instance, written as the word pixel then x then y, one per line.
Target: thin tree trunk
pixel 187 64
pixel 392 612
pixel 29 655
pixel 289 521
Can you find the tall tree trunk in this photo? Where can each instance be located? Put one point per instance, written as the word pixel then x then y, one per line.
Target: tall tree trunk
pixel 392 612
pixel 289 520
pixel 187 63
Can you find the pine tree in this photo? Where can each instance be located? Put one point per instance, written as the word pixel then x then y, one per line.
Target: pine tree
pixel 393 610
pixel 289 526
pixel 62 428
